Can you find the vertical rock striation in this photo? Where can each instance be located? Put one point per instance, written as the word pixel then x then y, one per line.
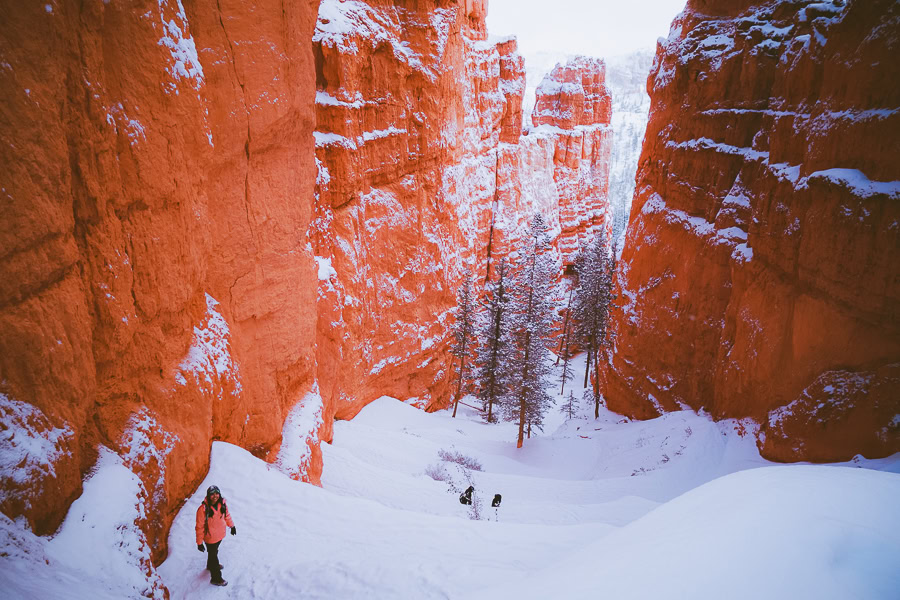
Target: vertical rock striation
pixel 759 276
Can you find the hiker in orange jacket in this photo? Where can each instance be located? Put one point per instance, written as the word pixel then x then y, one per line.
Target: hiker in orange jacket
pixel 212 517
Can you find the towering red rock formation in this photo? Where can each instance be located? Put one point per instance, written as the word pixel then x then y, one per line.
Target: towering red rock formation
pixel 759 276
pixel 572 111
pixel 157 288
pixel 423 175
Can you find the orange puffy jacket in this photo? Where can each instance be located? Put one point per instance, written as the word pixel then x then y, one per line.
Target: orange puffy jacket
pixel 211 529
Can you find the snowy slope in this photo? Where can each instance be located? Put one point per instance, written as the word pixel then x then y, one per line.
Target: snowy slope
pixel 593 506
pixel 781 532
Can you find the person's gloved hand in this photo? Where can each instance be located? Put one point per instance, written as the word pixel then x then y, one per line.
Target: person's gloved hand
pixel 234 531
pixel 200 547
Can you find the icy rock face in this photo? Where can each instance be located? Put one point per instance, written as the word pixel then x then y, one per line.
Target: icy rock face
pixel 759 271
pixel 572 114
pixel 157 289
pixel 573 94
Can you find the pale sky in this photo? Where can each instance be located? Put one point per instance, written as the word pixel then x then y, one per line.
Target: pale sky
pixel 592 27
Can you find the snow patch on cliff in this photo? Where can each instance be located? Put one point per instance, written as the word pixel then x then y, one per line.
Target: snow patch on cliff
pixel 185 62
pixel 855 181
pixel 99 551
pixel 209 356
pixel 300 434
pixel 30 446
pixel 344 24
pixel 140 450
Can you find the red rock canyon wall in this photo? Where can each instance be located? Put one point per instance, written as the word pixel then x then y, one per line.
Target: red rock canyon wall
pixel 759 276
pixel 158 287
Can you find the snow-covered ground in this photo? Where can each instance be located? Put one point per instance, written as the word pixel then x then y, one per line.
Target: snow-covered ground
pixel 676 507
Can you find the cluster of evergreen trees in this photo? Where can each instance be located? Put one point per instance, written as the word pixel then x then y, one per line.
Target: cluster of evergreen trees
pixel 588 311
pixel 504 338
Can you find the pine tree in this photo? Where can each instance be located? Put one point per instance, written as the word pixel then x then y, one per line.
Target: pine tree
pixel 532 333
pixel 593 298
pixel 566 320
pixel 493 353
pixel 463 331
pixel 569 407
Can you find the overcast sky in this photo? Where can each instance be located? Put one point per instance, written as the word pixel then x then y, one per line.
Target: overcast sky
pixel 592 27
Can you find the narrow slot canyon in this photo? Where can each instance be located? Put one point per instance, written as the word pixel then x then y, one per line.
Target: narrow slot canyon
pixel 237 238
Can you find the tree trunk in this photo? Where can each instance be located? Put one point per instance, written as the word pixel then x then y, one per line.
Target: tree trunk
pixel 597 386
pixel 462 368
pixel 525 362
pixel 565 363
pixel 521 418
pixel 587 366
pixel 565 327
pixel 522 395
pixel 494 359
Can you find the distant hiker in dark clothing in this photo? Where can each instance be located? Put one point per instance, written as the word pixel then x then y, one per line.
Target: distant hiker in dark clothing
pixel 496 501
pixel 466 496
pixel 212 518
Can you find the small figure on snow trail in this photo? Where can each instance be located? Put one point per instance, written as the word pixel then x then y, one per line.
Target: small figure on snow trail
pixel 466 496
pixel 212 518
pixel 496 501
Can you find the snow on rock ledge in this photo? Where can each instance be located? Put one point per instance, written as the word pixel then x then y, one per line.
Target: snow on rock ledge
pixel 33 455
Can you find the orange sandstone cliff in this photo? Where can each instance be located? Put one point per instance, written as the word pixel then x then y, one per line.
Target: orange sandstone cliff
pixel 573 106
pixel 158 289
pixel 759 275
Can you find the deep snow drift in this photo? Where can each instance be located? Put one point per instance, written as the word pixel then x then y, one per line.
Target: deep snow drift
pixel 676 507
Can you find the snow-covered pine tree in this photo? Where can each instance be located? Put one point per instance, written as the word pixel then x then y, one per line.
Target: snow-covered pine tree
pixel 592 303
pixel 587 267
pixel 565 338
pixel 463 331
pixel 532 332
pixel 569 406
pixel 493 350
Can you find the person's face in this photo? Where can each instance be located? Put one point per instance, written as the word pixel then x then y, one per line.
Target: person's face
pixel 214 497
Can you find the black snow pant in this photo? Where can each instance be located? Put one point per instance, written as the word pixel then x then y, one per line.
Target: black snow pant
pixel 212 561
